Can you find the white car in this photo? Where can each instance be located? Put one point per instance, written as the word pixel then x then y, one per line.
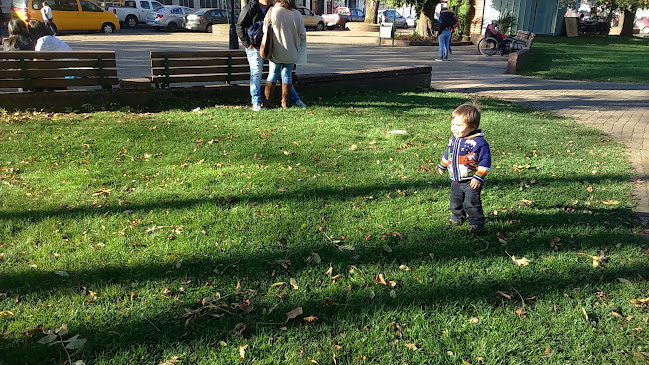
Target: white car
pixel 170 17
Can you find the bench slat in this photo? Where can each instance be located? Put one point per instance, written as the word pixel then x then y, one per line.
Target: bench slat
pixel 196 54
pixel 56 83
pixel 201 78
pixel 198 62
pixel 200 70
pixel 43 74
pixel 56 55
pixel 51 64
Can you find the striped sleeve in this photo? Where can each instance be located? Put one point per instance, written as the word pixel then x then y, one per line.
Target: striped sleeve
pixel 484 162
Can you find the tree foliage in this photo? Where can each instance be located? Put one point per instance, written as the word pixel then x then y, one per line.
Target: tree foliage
pixel 629 7
pixel 463 11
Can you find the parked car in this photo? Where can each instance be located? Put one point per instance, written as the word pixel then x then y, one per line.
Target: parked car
pixel 170 17
pixel 391 15
pixel 203 19
pixel 311 20
pixel 68 14
pixel 643 25
pixel 350 14
pixel 335 20
pixel 134 11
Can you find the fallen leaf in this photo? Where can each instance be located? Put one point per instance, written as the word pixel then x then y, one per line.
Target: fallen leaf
pixel 521 312
pixel 520 262
pixel 294 284
pixel 474 320
pixel 387 248
pixel 316 258
pixel 61 273
pixel 242 351
pixel 329 271
pixel 280 284
pixel 611 202
pixel 380 279
pixel 7 314
pixel 397 131
pixel 310 319
pixel 172 360
pixel 411 346
pixel 623 280
pixel 353 148
pixel 616 314
pixel 502 239
pixel 639 302
pixel 294 313
pixel 504 295
pixel 404 268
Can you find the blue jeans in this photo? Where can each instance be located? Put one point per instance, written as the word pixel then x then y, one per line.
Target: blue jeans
pixel 444 43
pixel 280 69
pixel 256 68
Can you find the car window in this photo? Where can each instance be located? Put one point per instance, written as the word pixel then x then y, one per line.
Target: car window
pixel 156 5
pixel 176 11
pixel 145 5
pixel 308 12
pixel 188 10
pixel 128 4
pixel 398 15
pixel 90 6
pixel 342 11
pixel 64 5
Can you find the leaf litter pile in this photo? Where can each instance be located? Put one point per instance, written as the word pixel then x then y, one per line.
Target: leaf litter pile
pixel 315 236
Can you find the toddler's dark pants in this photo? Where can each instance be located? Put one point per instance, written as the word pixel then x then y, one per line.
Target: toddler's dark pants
pixel 465 201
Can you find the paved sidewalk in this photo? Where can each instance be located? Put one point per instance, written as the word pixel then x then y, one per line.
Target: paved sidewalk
pixel 620 110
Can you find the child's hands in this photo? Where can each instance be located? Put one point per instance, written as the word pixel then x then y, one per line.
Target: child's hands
pixel 475 184
pixel 440 171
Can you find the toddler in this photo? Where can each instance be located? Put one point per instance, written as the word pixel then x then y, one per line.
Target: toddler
pixel 468 160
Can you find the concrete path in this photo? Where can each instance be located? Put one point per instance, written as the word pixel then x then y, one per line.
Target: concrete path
pixel 621 110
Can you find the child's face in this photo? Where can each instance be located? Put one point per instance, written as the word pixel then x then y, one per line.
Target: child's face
pixel 459 128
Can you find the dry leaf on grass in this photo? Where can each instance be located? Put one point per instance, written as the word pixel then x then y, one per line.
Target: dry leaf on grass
pixel 310 319
pixel 171 361
pixel 411 346
pixel 474 320
pixel 520 262
pixel 504 295
pixel 242 351
pixel 380 279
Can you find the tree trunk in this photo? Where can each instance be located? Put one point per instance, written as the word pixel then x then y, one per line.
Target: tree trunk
pixel 627 23
pixel 425 21
pixel 371 11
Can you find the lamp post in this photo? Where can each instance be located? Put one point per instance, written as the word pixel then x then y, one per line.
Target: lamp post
pixel 234 42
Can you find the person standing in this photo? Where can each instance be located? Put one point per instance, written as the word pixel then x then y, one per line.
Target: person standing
pixel 447 20
pixel 249 30
pixel 288 35
pixel 46 12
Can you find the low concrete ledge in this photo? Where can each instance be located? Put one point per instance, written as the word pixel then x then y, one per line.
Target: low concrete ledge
pixel 517 59
pixel 140 93
pixel 362 27
pixel 387 42
pixel 394 78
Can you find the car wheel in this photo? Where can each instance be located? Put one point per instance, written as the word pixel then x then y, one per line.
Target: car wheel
pixel 208 29
pixel 108 28
pixel 172 27
pixel 320 26
pixel 130 22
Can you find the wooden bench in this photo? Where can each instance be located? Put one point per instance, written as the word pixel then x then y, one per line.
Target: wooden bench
pixel 189 67
pixel 37 70
pixel 527 37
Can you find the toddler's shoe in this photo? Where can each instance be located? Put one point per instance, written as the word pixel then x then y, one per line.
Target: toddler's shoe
pixel 475 229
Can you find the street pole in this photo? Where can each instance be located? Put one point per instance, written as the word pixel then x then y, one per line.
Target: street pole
pixel 234 42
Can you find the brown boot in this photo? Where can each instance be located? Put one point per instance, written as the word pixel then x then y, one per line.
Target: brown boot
pixel 269 93
pixel 286 91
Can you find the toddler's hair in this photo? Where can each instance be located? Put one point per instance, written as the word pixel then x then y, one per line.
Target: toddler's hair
pixel 470 114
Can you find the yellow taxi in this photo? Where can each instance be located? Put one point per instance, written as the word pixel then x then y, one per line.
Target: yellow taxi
pixel 68 14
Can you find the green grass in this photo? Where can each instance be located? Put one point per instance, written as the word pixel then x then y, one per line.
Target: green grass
pixel 589 58
pixel 150 213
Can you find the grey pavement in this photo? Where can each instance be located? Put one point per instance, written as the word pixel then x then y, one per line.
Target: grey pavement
pixel 620 110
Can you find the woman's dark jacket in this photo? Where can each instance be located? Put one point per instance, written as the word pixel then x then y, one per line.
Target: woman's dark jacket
pixel 250 14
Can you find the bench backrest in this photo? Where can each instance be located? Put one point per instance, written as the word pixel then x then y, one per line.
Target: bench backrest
pixel 45 69
pixel 527 37
pixel 198 67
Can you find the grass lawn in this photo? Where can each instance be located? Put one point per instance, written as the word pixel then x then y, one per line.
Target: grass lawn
pixel 185 237
pixel 590 58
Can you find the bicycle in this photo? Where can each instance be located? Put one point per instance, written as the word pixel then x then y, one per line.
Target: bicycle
pixel 495 42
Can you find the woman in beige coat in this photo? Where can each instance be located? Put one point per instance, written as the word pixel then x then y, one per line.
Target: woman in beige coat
pixel 288 35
